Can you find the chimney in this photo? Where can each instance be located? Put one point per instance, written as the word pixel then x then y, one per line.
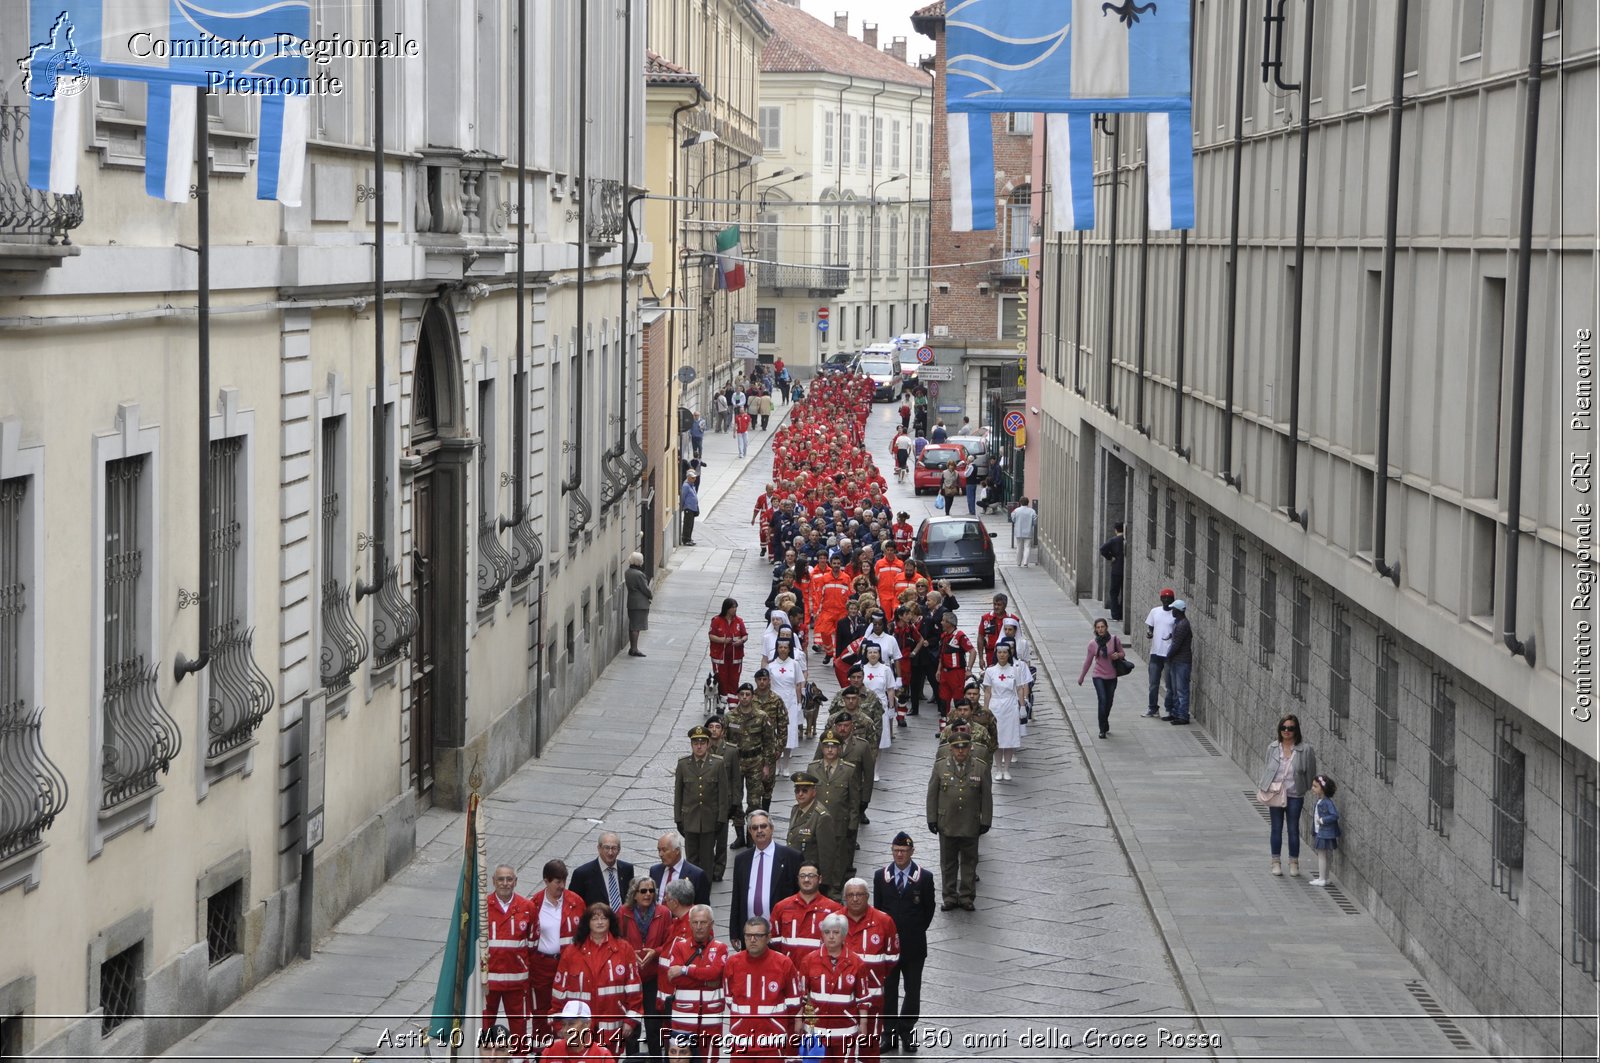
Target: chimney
pixel 898 49
pixel 869 34
pixel 841 21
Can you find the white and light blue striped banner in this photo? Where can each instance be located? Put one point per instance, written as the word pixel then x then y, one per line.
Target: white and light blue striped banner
pixel 281 158
pixel 1070 166
pixel 169 141
pixel 971 138
pixel 1169 167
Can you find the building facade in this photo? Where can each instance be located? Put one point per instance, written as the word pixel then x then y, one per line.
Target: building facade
pixel 979 310
pixel 369 652
pixel 845 128
pixel 1364 571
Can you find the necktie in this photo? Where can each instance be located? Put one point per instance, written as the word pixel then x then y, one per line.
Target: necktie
pixel 761 889
pixel 900 880
pixel 611 888
pixel 671 871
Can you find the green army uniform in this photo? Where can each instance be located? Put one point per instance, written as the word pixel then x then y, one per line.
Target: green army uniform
pixel 816 833
pixel 700 800
pixel 982 742
pixel 839 793
pixel 868 708
pixel 777 713
pixel 960 808
pixel 733 780
pixel 759 744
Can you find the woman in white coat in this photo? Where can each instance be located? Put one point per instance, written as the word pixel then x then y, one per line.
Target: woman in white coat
pixel 882 679
pixel 788 674
pixel 1023 649
pixel 1005 685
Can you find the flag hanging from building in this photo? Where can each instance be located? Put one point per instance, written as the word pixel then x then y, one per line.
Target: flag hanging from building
pixel 971 146
pixel 730 269
pixel 458 1000
pixel 1169 169
pixel 1070 166
pixel 1080 57
pixel 173 47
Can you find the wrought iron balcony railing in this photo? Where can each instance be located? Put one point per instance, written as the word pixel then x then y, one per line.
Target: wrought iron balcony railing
pixel 140 738
pixel 527 549
pixel 494 563
pixel 579 512
pixel 344 644
pixel 637 459
pixel 240 694
pixel 26 212
pixel 604 211
pixel 1011 267
pixel 394 620
pixel 32 790
pixel 810 278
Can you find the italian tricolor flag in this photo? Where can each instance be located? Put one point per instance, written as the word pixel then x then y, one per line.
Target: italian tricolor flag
pixel 730 271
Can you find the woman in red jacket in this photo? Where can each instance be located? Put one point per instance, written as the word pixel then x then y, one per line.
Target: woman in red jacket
pixel 602 970
pixel 728 636
pixel 647 926
pixel 838 986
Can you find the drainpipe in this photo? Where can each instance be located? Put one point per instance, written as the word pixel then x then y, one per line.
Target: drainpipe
pixel 1077 328
pixel 622 328
pixel 1233 255
pixel 1111 126
pixel 576 482
pixel 1183 314
pixel 380 439
pixel 183 665
pixel 677 292
pixel 872 186
pixel 1144 288
pixel 1519 356
pixel 519 417
pixel 1298 516
pixel 1380 514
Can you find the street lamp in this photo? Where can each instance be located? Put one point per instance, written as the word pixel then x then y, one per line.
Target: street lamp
pixel 872 261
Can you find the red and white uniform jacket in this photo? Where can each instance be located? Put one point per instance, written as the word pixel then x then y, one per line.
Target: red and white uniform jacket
pixel 840 991
pixel 989 632
pixel 513 927
pixel 795 923
pixel 955 652
pixel 902 533
pixel 572 909
pixel 604 976
pixel 875 940
pixel 678 929
pixel 697 1001
pixel 763 996
pixel 835 594
pixel 559 1049
pixel 727 652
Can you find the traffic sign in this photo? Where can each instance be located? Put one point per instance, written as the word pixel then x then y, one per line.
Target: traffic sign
pixel 822 313
pixel 822 326
pixel 925 355
pixel 1014 422
pixel 936 372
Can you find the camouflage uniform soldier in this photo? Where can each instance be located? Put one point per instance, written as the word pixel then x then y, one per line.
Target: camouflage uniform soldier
pixel 759 745
pixel 855 751
pixel 728 753
pixel 699 798
pixel 815 833
pixel 868 712
pixel 777 714
pixel 838 791
pixel 960 808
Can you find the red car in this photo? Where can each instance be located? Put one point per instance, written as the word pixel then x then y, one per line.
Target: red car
pixel 935 458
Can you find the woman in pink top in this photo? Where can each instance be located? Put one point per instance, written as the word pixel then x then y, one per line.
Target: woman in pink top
pixel 1104 650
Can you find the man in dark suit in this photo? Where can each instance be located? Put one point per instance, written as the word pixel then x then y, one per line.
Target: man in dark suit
pixel 763 875
pixel 670 848
pixel 604 880
pixel 904 892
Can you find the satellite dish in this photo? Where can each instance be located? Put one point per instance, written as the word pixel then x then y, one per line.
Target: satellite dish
pixel 686 374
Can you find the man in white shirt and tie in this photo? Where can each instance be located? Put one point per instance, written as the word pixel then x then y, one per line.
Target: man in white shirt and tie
pixel 763 875
pixel 674 866
pixel 604 879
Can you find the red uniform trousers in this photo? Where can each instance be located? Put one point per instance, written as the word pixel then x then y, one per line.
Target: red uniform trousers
pixel 541 984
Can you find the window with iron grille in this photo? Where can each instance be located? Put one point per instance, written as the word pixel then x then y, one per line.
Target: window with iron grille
pixel 1267 615
pixel 120 976
pixel 1191 531
pixel 1441 756
pixel 1213 568
pixel 1585 873
pixel 1300 634
pixel 1386 722
pixel 767 324
pixel 222 922
pixel 238 693
pixel 1169 534
pixel 494 561
pixel 344 643
pixel 1508 809
pixel 139 740
pixel 1151 502
pixel 1236 602
pixel 1339 674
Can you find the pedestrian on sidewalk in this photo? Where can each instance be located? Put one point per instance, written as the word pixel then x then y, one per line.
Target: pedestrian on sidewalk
pixel 764 408
pixel 940 432
pixel 1024 523
pixel 697 434
pixel 719 412
pixel 974 479
pixel 639 598
pixel 1102 655
pixel 1114 550
pixel 689 502
pixel 1325 826
pixel 741 431
pixel 1284 781
pixel 1180 659
pixel 1158 628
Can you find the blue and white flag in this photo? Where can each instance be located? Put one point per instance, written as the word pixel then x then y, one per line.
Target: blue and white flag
pixel 1070 167
pixel 169 141
pixel 1169 169
pixel 1067 55
pixel 971 138
pixel 281 160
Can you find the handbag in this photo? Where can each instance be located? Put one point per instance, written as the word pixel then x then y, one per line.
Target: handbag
pixel 1273 796
pixel 1123 666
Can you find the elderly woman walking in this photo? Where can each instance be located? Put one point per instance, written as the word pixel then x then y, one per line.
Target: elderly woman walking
pixel 639 597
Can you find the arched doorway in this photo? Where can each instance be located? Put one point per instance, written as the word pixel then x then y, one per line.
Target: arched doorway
pixel 442 448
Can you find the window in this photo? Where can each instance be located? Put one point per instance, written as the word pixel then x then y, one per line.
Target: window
pixel 1236 589
pixel 1471 46
pixel 1508 808
pixel 238 705
pixel 861 141
pixel 222 922
pixel 894 146
pixel 894 246
pixel 769 241
pixel 861 239
pixel 877 144
pixel 916 147
pixel 1020 122
pixel 1585 873
pixel 1339 674
pixel 1267 615
pixel 119 987
pixel 1213 567
pixel 827 238
pixel 1441 756
pixel 1190 533
pixel 1300 636
pixel 1386 721
pixel 767 323
pixel 828 134
pixel 1010 317
pixel 1413 38
pixel 772 128
pixel 1152 502
pixel 1360 44
pixel 1169 535
pixel 858 322
pixel 1019 223
pixel 1552 17
pixel 844 140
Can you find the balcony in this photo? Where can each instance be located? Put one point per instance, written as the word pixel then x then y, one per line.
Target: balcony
pixel 33 224
pixel 813 281
pixel 459 211
pixel 1010 270
pixel 603 216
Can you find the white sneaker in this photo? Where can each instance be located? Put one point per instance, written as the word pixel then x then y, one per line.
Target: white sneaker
pixel 876 777
pixel 1277 869
pixel 1317 882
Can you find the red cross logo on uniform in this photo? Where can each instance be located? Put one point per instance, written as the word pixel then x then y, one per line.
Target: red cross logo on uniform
pixel 1002 677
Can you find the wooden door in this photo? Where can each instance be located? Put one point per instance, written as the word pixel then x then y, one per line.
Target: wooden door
pixel 423 656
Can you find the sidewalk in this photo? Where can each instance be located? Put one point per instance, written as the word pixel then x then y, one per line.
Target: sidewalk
pixel 721 465
pixel 1261 957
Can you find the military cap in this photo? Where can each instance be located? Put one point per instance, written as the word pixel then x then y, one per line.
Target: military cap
pixel 829 738
pixel 804 778
pixel 715 718
pixel 851 691
pixel 698 734
pixel 762 673
pixel 747 686
pixel 960 742
pixel 855 669
pixel 902 839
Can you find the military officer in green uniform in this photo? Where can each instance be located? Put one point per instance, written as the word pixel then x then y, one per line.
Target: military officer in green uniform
pixel 960 721
pixel 777 714
pixel 728 753
pixel 860 748
pixel 839 791
pixel 815 833
pixel 700 798
pixel 960 808
pixel 759 744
